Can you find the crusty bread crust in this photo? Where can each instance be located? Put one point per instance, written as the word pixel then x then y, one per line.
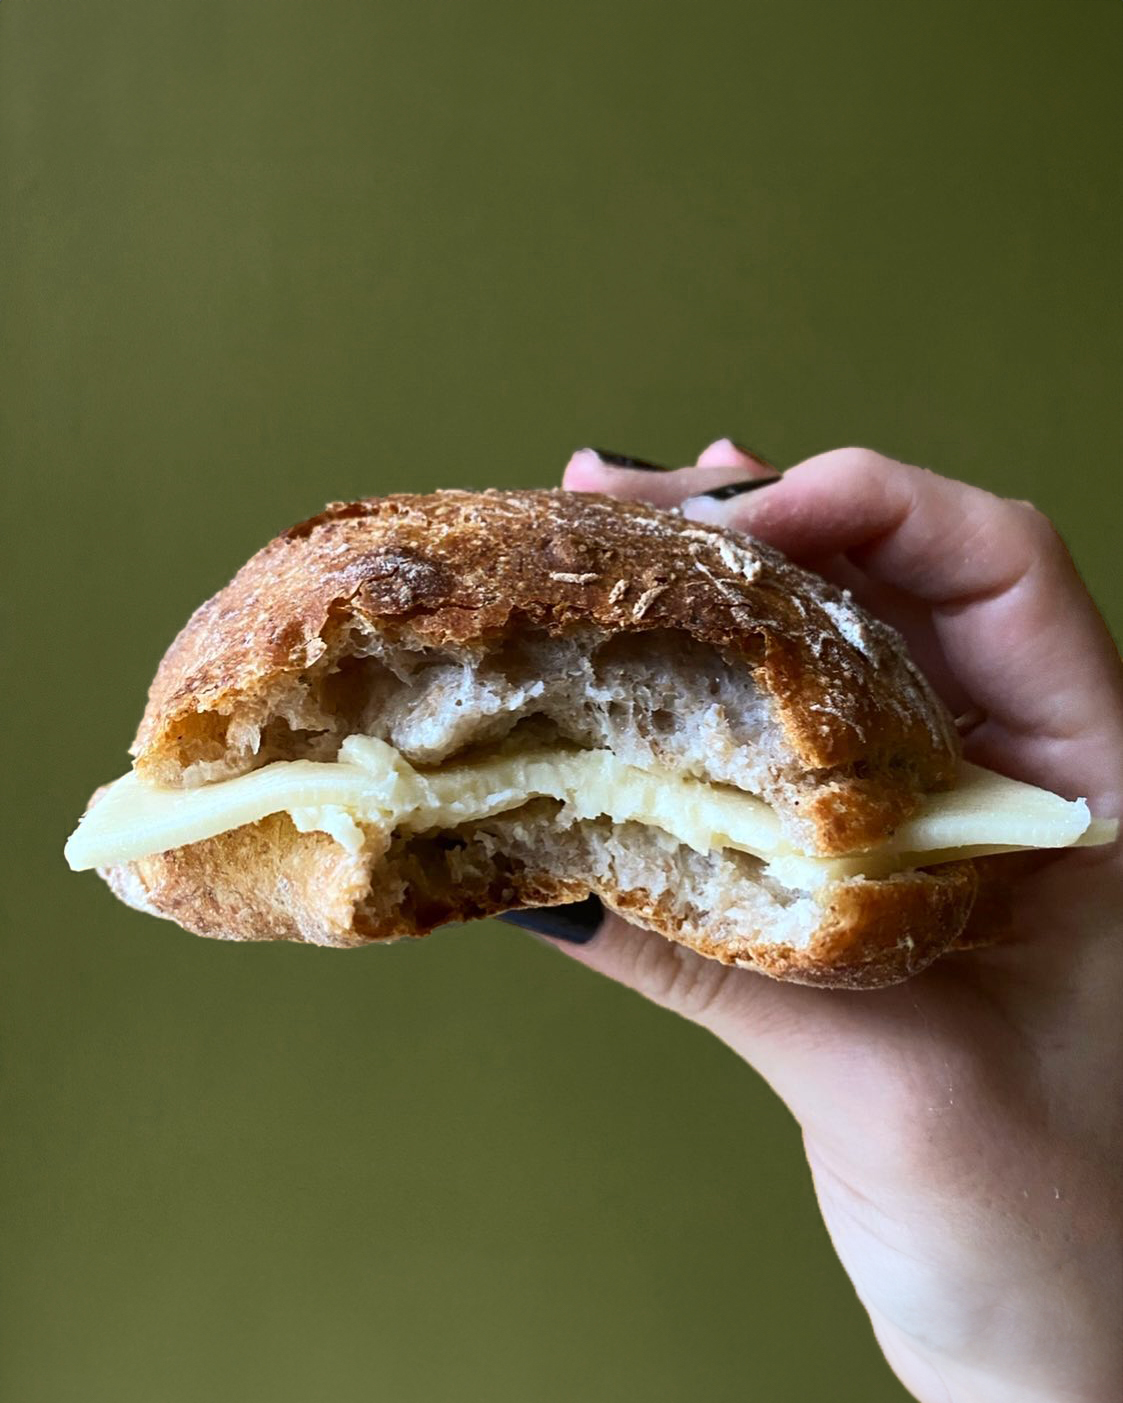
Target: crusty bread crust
pixel 878 933
pixel 465 570
pixel 270 882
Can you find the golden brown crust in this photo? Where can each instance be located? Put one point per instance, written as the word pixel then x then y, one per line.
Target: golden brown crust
pixel 270 882
pixel 264 881
pixel 463 569
pixel 873 933
pixel 992 914
pixel 878 933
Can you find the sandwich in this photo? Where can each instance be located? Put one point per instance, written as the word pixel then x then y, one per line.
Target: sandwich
pixel 416 710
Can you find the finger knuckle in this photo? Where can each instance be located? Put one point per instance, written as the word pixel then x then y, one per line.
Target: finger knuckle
pixel 1036 526
pixel 679 979
pixel 861 460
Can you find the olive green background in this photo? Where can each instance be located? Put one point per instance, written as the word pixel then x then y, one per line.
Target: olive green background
pixel 256 256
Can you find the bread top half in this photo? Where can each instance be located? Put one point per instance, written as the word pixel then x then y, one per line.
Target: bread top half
pixel 461 574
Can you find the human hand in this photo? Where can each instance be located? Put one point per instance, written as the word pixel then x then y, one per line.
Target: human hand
pixel 963 1129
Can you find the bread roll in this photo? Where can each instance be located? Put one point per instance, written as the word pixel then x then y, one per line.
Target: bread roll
pixel 460 628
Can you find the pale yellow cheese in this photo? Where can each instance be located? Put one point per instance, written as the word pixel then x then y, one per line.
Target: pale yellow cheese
pixel 372 785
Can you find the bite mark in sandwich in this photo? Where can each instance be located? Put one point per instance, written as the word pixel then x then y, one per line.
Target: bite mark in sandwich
pixel 414 710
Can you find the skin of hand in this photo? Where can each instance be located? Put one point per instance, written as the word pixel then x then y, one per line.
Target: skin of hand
pixel 965 1129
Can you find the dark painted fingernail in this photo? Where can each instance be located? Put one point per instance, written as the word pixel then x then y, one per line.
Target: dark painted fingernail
pixel 576 923
pixel 735 489
pixel 620 460
pixel 753 454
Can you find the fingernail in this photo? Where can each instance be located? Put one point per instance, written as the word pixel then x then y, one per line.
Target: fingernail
pixel 752 453
pixel 735 489
pixel 620 460
pixel 575 923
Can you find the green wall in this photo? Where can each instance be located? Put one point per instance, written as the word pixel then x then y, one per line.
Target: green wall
pixel 255 256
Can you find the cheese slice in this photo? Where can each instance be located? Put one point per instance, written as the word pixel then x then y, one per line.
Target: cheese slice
pixel 372 785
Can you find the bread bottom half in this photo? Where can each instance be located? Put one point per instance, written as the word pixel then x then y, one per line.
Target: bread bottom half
pixel 268 881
